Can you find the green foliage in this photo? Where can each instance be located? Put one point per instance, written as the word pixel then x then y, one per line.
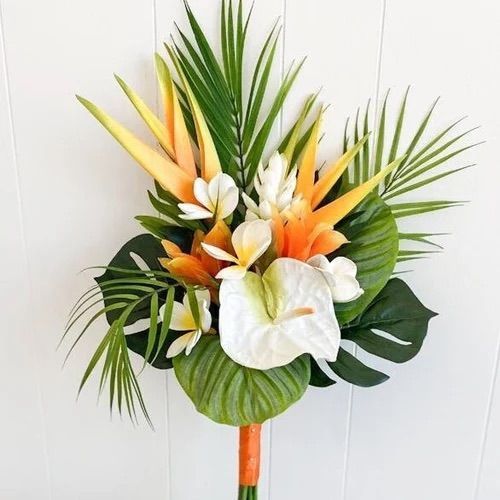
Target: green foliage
pixel 125 294
pixel 318 377
pixel 169 215
pixel 422 165
pixel 395 311
pixel 231 394
pixel 149 250
pixel 146 343
pixel 349 368
pixel 373 246
pixel 240 126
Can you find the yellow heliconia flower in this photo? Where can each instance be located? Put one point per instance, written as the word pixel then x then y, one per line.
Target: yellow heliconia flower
pixel 176 171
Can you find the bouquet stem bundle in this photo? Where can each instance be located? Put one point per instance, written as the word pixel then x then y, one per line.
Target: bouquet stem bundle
pixel 249 458
pixel 247 493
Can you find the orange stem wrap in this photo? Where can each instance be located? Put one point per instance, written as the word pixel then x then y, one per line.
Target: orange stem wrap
pixel 250 455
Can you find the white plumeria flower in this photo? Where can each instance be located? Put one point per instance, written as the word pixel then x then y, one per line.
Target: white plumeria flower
pixel 340 274
pixel 274 187
pixel 268 321
pixel 250 240
pixel 183 320
pixel 218 199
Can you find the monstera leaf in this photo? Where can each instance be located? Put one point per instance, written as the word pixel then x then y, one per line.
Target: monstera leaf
pixel 374 244
pixel 404 319
pixel 148 249
pixel 318 377
pixel 399 313
pixel 231 394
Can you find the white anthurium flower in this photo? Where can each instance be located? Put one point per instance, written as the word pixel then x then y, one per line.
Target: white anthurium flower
pixel 268 321
pixel 340 274
pixel 183 320
pixel 218 199
pixel 275 189
pixel 250 240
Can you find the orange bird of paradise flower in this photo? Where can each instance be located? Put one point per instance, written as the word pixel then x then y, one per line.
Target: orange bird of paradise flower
pixel 307 229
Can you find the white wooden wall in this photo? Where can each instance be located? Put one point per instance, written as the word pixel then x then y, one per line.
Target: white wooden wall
pixel 68 194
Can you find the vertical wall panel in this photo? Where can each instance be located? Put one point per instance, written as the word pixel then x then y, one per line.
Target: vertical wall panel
pixel 22 431
pixel 420 434
pixel 79 192
pixel 341 42
pixel 487 481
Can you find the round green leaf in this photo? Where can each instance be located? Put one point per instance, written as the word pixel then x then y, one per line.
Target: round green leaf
pixel 231 394
pixel 374 245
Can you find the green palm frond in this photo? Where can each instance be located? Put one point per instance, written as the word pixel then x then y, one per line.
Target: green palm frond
pixel 425 161
pixel 122 297
pixel 238 120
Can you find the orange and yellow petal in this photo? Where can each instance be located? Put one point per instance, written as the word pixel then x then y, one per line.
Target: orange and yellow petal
pixel 219 236
pixel 171 249
pixel 190 269
pixel 339 208
pixel 327 242
pixel 332 175
pixel 174 119
pixel 307 169
pixel 164 170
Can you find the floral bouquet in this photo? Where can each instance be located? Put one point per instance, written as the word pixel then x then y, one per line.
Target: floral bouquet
pixel 258 264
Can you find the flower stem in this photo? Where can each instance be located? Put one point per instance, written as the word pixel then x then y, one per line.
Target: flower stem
pixel 247 493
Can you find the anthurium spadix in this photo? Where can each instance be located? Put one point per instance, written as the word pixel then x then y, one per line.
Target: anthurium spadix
pixel 250 240
pixel 267 321
pixel 184 319
pixel 217 199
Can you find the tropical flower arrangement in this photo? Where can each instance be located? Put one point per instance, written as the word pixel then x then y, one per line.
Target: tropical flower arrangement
pixel 259 266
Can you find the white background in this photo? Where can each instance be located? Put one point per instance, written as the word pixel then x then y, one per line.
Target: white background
pixel 68 195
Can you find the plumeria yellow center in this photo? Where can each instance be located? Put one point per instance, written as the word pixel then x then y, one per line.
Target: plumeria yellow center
pixel 217 199
pixel 183 319
pixel 250 240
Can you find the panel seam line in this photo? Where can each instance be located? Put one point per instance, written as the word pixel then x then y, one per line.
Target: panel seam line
pixel 378 73
pixel 10 115
pixel 487 421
